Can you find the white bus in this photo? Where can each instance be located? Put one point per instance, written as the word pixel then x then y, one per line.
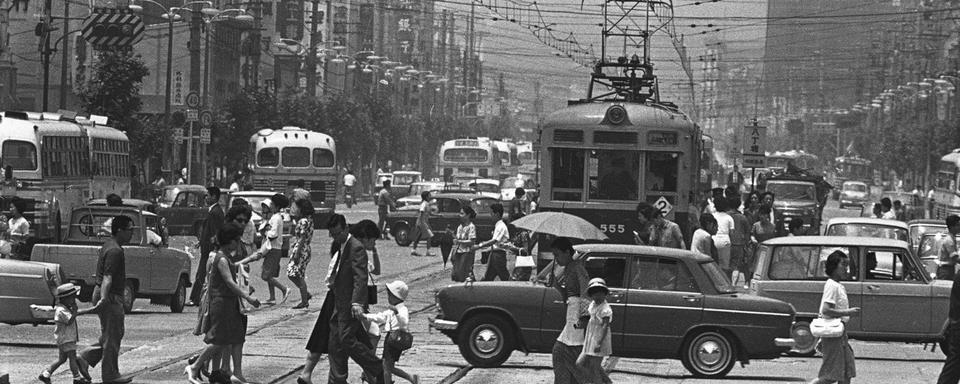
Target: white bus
pixel 509 163
pixel 280 158
pixel 946 193
pixel 462 160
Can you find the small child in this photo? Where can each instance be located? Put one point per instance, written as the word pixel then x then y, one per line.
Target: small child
pixel 394 319
pixel 65 316
pixel 596 342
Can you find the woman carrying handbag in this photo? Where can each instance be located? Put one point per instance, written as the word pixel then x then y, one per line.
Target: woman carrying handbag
pixel 838 362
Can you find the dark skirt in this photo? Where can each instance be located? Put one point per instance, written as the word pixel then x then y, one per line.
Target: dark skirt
pixel 838 360
pixel 319 341
pixel 271 264
pixel 227 325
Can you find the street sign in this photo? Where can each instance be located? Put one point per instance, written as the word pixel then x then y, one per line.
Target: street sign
pixel 754 144
pixel 192 114
pixel 176 97
pixel 112 28
pixel 178 135
pixel 205 135
pixel 663 205
pixel 206 119
pixel 193 100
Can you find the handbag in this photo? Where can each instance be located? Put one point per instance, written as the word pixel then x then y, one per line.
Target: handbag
pixel 826 328
pixel 524 260
pixel 400 339
pixel 484 257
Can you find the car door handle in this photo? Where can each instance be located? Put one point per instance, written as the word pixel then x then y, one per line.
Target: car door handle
pixel 873 287
pixel 692 299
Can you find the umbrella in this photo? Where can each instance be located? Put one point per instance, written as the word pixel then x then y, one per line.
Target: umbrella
pixel 560 224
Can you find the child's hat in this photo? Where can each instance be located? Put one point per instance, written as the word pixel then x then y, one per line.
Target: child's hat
pixel 595 284
pixel 68 289
pixel 398 289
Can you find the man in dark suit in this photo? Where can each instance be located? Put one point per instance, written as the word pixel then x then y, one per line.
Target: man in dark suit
pixel 347 335
pixel 776 217
pixel 208 240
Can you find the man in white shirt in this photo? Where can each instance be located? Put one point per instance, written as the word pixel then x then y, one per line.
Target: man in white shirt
pixel 500 244
pixel 887 208
pixel 703 237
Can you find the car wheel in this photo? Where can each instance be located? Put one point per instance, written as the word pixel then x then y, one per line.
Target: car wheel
pixel 708 354
pixel 179 297
pixel 129 295
pixel 486 340
pixel 402 235
pixel 806 343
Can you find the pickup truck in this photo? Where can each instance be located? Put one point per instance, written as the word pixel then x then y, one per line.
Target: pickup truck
pixel 154 271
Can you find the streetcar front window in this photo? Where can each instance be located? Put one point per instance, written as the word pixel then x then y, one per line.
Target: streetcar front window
pixel 946 176
pixel 567 174
pixel 268 157
pixel 323 158
pixel 20 155
pixel 662 171
pixel 298 157
pixel 613 175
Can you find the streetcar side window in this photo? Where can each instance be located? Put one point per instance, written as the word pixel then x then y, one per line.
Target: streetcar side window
pixel 662 168
pixel 613 174
pixel 567 174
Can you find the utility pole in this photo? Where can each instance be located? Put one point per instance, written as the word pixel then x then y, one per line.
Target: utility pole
pixel 45 52
pixel 312 52
pixel 64 54
pixel 196 19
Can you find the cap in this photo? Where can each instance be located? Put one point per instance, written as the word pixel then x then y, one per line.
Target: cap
pixel 595 284
pixel 68 289
pixel 398 289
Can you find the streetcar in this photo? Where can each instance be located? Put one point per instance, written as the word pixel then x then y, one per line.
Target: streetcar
pixel 466 159
pixel 778 161
pixel 851 168
pixel 58 163
pixel 281 158
pixel 946 193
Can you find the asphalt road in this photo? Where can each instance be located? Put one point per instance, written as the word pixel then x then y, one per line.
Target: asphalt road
pixel 157 341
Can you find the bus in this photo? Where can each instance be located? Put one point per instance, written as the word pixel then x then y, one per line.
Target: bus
pixel 462 160
pixel 509 163
pixel 59 162
pixel 600 159
pixel 528 161
pixel 946 193
pixel 777 161
pixel 280 158
pixel 851 168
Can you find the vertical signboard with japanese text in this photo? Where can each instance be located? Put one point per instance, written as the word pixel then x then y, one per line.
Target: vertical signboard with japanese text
pixel 754 144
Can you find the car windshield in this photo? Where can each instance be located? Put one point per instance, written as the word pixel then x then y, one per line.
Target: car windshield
pixel 484 187
pixel 867 230
pixel 930 246
pixel 254 201
pixel 787 190
pixel 719 279
pixel 169 195
pixel 855 187
pixel 918 231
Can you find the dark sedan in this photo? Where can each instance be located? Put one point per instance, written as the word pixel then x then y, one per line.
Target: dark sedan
pixel 445 214
pixel 667 304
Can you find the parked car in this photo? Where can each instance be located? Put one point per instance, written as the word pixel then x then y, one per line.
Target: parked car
pixel 854 193
pixel 928 251
pixel 667 304
pixel 921 227
pixel 867 227
pixel 413 199
pixel 24 283
pixel 446 215
pixel 898 299
pixel 486 187
pixel 184 208
pixel 154 271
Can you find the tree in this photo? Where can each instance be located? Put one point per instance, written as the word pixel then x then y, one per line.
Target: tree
pixel 113 90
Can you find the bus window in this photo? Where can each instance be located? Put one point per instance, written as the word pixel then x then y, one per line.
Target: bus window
pixel 298 157
pixel 21 155
pixel 568 174
pixel 661 172
pixel 946 176
pixel 613 175
pixel 323 158
pixel 268 157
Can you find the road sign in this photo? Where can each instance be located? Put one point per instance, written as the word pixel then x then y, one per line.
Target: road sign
pixel 205 135
pixel 663 205
pixel 176 97
pixel 193 100
pixel 192 115
pixel 754 144
pixel 178 135
pixel 206 119
pixel 112 28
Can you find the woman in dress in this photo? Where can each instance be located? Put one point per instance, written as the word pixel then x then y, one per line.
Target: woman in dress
pixel 300 251
pixel 464 241
pixel 838 362
pixel 721 240
pixel 225 324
